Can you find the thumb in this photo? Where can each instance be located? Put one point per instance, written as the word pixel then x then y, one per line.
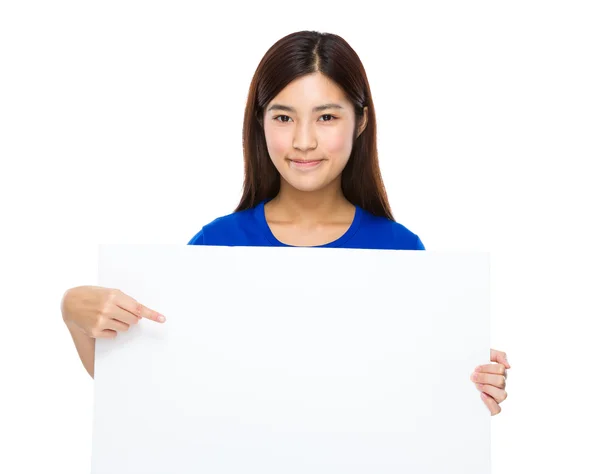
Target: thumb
pixel 500 357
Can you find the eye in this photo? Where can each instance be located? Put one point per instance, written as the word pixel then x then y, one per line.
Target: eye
pixel 333 117
pixel 329 115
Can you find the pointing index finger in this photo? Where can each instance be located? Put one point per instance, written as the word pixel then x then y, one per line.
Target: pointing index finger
pixel 151 314
pixel 141 311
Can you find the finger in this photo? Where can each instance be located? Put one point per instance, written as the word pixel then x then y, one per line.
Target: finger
pixel 497 394
pixel 500 357
pixel 115 325
pixel 129 304
pixel 497 369
pixel 490 379
pixel 491 404
pixel 107 334
pixel 125 316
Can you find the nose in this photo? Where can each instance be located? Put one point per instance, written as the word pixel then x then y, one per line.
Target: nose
pixel 304 137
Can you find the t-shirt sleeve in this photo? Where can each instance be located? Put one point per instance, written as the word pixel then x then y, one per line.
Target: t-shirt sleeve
pixel 198 239
pixel 419 245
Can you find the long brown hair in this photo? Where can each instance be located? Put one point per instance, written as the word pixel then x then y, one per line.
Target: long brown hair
pixel 293 56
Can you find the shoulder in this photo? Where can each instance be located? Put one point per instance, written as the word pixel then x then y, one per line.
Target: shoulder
pixel 405 237
pixel 219 226
pixel 390 234
pixel 222 229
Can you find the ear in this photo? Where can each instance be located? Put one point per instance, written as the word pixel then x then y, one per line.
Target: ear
pixel 363 123
pixel 259 118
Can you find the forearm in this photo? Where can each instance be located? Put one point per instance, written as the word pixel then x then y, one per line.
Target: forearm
pixel 85 345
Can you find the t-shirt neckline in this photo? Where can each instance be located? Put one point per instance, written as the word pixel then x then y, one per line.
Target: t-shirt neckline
pixel 262 219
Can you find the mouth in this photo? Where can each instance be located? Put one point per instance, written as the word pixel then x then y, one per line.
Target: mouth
pixel 304 164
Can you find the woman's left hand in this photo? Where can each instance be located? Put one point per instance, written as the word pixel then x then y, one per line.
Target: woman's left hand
pixel 490 380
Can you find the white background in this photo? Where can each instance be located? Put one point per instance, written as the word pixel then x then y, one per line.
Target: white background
pixel 120 122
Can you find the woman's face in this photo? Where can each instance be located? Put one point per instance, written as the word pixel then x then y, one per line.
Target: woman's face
pixel 308 130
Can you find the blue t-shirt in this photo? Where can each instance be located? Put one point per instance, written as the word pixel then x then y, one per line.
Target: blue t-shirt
pixel 249 228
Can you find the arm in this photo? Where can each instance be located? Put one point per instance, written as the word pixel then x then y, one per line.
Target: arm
pixel 85 345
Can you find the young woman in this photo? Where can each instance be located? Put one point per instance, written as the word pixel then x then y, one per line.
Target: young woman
pixel 312 179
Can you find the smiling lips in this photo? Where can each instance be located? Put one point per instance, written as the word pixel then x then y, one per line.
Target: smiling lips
pixel 305 164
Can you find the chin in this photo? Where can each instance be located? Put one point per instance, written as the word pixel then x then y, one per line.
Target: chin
pixel 306 185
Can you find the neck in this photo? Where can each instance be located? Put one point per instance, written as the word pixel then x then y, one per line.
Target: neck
pixel 316 206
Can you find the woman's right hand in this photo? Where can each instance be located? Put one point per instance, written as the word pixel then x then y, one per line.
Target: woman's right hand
pixel 101 312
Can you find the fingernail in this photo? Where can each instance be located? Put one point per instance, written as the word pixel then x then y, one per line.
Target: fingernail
pixel 478 368
pixel 161 318
pixel 473 377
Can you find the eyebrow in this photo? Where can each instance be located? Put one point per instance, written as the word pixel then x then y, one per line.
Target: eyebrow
pixel 316 109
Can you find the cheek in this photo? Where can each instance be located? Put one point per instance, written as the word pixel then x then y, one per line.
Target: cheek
pixel 278 142
pixel 339 142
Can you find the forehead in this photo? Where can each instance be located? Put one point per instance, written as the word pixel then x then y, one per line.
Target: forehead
pixel 310 90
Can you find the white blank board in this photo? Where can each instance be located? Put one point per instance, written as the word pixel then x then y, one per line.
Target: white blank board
pixel 294 361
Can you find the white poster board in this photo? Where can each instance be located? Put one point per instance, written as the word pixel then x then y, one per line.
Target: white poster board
pixel 294 361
